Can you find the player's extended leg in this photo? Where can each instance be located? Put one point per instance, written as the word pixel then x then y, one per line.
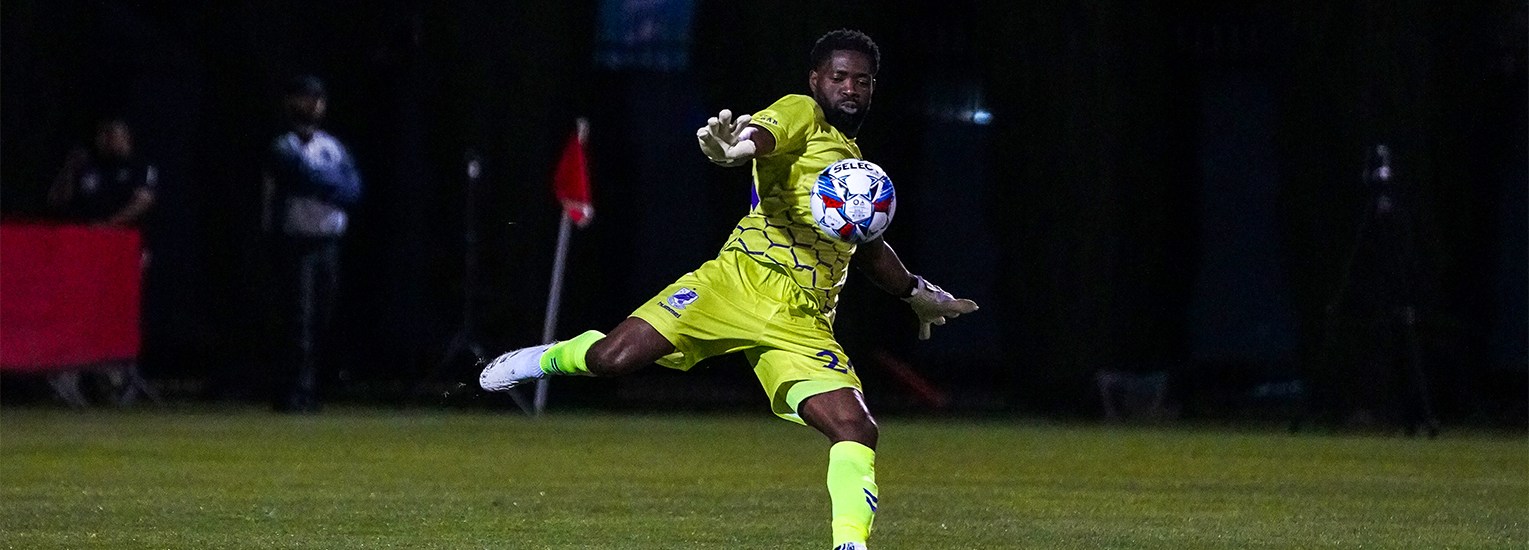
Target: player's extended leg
pixel 633 344
pixel 842 416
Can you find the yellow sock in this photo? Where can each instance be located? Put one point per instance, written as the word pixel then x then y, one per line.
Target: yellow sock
pixel 852 488
pixel 567 357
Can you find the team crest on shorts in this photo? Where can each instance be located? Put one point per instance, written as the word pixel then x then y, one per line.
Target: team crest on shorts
pixel 682 297
pixel 677 301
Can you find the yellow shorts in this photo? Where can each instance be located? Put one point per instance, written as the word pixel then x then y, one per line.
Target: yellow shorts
pixel 735 303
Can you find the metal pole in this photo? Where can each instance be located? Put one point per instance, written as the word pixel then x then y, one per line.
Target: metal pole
pixel 554 302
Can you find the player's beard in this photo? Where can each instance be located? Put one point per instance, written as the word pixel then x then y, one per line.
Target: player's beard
pixel 848 123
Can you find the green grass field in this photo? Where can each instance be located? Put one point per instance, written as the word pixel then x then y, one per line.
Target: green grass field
pixel 385 479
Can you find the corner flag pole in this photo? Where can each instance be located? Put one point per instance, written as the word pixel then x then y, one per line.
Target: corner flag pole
pixel 571 185
pixel 554 302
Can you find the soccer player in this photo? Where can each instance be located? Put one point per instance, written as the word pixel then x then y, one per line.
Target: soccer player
pixel 772 290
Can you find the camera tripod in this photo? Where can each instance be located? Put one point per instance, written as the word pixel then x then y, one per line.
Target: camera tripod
pixel 465 345
pixel 1385 238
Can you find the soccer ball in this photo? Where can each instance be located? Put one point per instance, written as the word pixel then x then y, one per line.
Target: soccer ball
pixel 853 201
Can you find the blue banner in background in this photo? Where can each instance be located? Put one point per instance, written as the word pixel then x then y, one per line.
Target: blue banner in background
pixel 651 35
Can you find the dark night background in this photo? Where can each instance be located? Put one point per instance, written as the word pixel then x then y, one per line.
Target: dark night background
pixel 1167 186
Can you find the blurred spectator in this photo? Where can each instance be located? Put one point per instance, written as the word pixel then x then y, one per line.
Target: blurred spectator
pixel 310 181
pixel 106 184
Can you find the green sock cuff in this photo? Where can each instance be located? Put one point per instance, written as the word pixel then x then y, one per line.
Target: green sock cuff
pixel 567 357
pixel 851 450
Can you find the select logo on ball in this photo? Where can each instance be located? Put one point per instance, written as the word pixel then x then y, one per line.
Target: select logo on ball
pixel 854 201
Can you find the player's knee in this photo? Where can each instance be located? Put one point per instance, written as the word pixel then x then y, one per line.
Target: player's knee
pixel 840 415
pixel 868 431
pixel 852 425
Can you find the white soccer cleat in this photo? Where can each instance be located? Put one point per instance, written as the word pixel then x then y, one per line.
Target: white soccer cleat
pixel 513 369
pixel 851 546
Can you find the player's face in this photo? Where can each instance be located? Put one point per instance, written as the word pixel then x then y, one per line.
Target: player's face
pixel 307 109
pixel 843 85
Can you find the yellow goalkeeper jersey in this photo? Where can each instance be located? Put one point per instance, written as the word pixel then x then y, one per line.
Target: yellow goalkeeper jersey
pixel 779 228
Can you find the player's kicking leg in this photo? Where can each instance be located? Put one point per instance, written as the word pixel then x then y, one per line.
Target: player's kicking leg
pixel 842 416
pixel 633 344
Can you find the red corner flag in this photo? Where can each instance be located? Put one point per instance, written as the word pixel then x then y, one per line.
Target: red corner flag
pixel 571 181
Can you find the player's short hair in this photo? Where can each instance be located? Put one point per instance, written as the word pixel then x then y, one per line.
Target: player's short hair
pixel 305 85
pixel 845 39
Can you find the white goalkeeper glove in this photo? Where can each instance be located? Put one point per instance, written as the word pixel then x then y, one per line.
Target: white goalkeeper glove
pixel 933 305
pixel 721 139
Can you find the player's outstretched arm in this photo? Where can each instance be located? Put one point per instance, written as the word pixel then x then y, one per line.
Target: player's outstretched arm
pixel 729 142
pixel 930 303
